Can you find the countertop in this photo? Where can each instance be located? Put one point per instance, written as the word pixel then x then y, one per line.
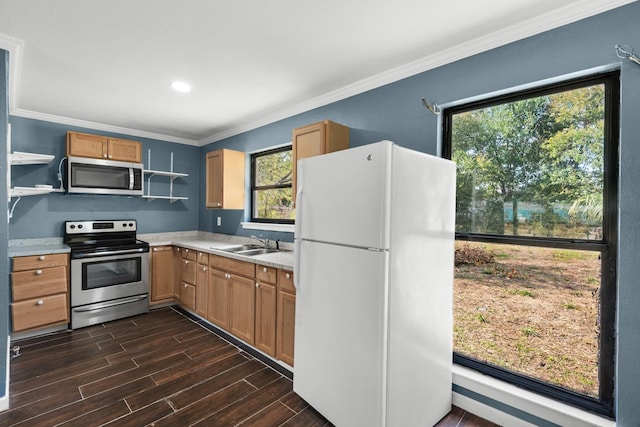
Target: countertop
pixel 197 240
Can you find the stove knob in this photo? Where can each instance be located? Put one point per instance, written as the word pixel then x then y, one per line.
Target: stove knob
pixel 72 226
pixel 124 224
pixel 79 225
pixel 130 224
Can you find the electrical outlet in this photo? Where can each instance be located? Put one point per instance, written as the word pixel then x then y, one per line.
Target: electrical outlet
pixel 219 221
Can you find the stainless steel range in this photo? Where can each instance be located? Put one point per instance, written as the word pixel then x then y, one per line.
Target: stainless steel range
pixel 109 271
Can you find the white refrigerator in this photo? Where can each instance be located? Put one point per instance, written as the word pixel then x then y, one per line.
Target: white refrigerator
pixel 373 272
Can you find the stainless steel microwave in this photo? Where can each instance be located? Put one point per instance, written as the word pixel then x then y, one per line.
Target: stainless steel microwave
pixel 86 175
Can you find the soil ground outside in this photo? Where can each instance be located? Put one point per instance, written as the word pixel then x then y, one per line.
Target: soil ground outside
pixel 530 310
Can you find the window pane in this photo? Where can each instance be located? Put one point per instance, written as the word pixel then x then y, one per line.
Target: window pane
pixel 532 167
pixel 273 169
pixel 273 204
pixel 531 310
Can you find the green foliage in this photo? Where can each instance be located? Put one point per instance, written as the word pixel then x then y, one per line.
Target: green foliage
pixel 273 198
pixel 546 152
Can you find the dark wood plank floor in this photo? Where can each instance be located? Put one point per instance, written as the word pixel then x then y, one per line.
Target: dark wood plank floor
pixel 159 369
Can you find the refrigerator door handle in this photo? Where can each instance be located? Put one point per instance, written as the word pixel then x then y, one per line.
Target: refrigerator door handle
pixel 298 226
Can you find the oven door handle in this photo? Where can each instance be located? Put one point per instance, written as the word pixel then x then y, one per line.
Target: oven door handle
pixel 95 307
pixel 106 253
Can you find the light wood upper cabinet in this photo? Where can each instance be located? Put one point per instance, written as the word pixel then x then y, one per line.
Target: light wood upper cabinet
pixel 162 274
pixel 316 139
pixel 225 179
pixel 40 289
pixel 124 150
pixel 102 147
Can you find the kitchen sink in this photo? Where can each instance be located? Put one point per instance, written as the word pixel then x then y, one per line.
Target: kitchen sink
pixel 235 249
pixel 248 250
pixel 258 251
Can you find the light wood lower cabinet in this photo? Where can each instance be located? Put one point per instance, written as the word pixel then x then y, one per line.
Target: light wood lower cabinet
pixel 231 296
pixel 286 313
pixel 242 303
pixel 188 296
pixel 202 284
pixel 40 290
pixel 255 303
pixel 177 272
pixel 162 274
pixel 266 303
pixel 218 298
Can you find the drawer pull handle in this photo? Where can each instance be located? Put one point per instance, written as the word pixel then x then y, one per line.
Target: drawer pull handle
pixel 264 269
pixel 42 257
pixel 40 302
pixel 257 285
pixel 288 275
pixel 38 272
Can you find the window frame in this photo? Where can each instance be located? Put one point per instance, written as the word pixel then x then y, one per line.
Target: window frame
pixel 607 246
pixel 254 187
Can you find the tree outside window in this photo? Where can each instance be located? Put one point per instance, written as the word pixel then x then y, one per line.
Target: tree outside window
pixel 271 191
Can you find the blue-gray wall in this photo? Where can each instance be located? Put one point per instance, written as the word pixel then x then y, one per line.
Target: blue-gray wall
pixel 395 112
pixel 4 231
pixel 390 112
pixel 158 215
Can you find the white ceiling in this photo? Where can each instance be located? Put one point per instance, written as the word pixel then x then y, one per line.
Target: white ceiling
pixel 109 64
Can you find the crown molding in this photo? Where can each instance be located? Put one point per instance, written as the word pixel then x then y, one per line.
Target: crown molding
pixel 100 126
pixel 548 21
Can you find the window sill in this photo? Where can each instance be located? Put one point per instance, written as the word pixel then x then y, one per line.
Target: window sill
pixel 506 404
pixel 285 228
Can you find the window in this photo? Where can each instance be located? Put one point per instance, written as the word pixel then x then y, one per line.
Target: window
pixel 271 191
pixel 536 209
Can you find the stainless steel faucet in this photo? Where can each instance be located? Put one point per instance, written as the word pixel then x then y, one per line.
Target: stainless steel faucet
pixel 265 242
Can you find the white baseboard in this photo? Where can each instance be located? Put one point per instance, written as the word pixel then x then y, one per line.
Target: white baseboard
pixel 4 400
pixel 519 407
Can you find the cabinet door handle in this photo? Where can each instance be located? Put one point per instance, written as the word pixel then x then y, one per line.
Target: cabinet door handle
pixel 42 257
pixel 155 249
pixel 219 204
pixel 288 275
pixel 264 269
pixel 257 285
pixel 38 272
pixel 39 302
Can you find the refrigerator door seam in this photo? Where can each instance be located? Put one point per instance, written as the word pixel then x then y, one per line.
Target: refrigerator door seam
pixel 343 245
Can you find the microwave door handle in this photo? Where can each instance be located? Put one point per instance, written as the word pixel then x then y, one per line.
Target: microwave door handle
pixel 131 182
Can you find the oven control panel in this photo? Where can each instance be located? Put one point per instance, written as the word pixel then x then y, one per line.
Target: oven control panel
pixel 81 227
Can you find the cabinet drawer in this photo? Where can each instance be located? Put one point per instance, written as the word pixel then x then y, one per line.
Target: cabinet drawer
pixel 189 254
pixel 232 265
pixel 36 283
pixel 188 271
pixel 285 281
pixel 266 274
pixel 39 261
pixel 203 258
pixel 40 312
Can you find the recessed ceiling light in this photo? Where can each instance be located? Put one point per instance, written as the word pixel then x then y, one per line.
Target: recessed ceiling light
pixel 181 86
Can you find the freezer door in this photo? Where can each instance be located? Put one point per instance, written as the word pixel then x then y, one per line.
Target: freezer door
pixel 340 338
pixel 343 197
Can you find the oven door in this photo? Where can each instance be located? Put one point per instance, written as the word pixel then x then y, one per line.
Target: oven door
pixel 108 277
